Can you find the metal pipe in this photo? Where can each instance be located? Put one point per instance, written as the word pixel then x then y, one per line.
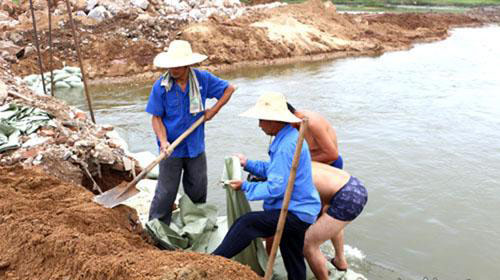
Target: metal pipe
pixel 50 49
pixel 77 46
pixel 37 45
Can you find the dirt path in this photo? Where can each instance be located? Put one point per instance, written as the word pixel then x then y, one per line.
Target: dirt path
pixel 50 229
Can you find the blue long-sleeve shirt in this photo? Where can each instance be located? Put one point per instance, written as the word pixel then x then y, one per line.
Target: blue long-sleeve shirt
pixel 305 202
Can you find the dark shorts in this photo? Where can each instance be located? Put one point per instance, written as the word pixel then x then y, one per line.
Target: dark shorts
pixel 338 163
pixel 349 201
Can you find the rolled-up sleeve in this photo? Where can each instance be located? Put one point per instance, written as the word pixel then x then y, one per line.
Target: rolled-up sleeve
pixel 155 103
pixel 278 171
pixel 216 86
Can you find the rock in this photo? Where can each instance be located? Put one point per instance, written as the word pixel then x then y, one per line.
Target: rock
pixel 80 115
pixel 195 14
pixel 3 92
pixel 146 18
pixel 107 127
pixel 127 163
pixel 99 13
pixel 80 14
pixel 91 4
pixel 4 264
pixel 118 68
pixel 61 140
pixel 143 4
pixel 35 140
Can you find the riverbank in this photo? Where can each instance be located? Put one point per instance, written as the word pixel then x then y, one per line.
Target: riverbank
pixel 287 33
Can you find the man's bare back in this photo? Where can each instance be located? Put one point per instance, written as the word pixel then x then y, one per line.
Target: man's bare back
pixel 328 180
pixel 321 138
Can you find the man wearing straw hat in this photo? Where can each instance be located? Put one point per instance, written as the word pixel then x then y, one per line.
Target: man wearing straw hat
pixel 275 120
pixel 176 101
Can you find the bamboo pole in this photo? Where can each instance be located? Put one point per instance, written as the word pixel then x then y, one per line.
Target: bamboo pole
pixel 37 46
pixel 50 48
pixel 82 70
pixel 286 201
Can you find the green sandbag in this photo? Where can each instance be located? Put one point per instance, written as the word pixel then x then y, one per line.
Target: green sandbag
pixel 237 205
pixel 192 228
pixel 62 84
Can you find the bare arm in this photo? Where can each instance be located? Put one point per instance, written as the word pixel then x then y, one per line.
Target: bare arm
pixel 326 150
pixel 210 113
pixel 161 132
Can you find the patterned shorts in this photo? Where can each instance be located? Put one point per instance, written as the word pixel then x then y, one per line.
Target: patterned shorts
pixel 349 201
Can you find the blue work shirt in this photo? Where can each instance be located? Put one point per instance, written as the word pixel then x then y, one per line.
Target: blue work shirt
pixel 305 202
pixel 173 108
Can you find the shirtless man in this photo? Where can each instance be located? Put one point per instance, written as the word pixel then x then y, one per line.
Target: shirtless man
pixel 343 197
pixel 320 137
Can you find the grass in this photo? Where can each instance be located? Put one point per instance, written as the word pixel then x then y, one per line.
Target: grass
pixel 463 3
pixel 381 3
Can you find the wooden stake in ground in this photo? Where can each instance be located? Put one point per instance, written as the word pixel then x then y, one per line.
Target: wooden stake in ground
pixel 35 34
pixel 49 9
pixel 286 201
pixel 82 70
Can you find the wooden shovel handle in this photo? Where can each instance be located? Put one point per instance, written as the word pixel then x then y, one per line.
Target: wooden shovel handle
pixel 163 155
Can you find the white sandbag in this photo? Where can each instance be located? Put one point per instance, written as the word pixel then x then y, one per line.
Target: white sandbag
pixel 78 84
pixel 62 84
pixel 56 72
pixel 71 69
pixel 144 159
pixel 61 76
pixel 31 79
pixel 73 78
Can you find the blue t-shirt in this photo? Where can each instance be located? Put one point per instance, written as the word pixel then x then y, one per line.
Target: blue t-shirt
pixel 305 202
pixel 173 108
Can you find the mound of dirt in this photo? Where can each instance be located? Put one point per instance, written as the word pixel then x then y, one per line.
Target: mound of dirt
pixel 52 230
pixel 309 31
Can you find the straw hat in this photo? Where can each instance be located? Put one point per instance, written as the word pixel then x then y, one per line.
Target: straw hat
pixel 271 106
pixel 179 54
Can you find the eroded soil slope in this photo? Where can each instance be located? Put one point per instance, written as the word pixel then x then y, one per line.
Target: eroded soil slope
pixel 50 229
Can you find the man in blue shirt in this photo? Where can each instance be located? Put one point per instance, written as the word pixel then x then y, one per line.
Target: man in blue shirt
pixel 274 120
pixel 176 101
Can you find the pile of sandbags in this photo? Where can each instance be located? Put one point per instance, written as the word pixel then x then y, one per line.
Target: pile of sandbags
pixel 66 78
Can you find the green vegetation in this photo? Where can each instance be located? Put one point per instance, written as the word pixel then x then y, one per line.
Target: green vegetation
pixel 405 6
pixel 382 3
pixel 465 3
pixel 396 9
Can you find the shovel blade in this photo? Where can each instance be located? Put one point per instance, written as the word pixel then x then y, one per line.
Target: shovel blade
pixel 115 196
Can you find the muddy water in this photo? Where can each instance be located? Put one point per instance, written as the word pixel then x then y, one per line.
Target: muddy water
pixel 421 128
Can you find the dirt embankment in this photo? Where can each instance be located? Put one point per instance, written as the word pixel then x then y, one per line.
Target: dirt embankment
pixel 125 45
pixel 50 229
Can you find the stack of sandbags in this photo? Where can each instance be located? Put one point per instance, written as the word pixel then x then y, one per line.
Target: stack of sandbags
pixel 66 78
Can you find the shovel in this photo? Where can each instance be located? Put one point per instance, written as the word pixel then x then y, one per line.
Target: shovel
pixel 120 193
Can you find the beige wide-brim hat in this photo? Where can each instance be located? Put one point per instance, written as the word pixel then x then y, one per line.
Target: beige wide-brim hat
pixel 179 54
pixel 271 106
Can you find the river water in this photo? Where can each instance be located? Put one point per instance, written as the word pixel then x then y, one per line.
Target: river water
pixel 421 128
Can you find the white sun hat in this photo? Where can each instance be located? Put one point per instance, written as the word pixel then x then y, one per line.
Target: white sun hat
pixel 271 106
pixel 179 54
